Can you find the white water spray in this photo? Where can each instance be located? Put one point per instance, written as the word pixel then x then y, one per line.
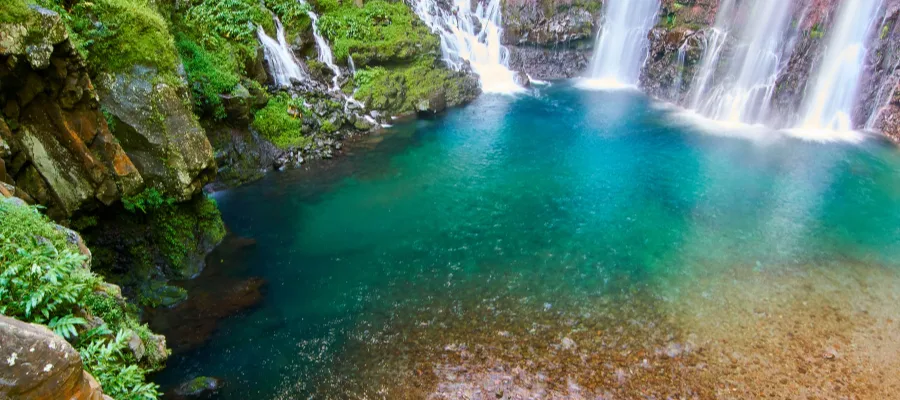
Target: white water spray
pixel 623 43
pixel 282 64
pixel 472 36
pixel 829 106
pixel 325 55
pixel 744 93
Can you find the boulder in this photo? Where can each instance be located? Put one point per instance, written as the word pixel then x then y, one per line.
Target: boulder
pixel 39 365
pixel 158 130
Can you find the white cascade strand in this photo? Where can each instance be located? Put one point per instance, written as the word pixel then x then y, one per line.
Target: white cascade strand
pixel 282 64
pixel 473 37
pixel 623 43
pixel 744 93
pixel 830 103
pixel 325 55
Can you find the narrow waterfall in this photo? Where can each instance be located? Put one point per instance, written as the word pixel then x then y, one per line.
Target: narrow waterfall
pixel 472 34
pixel 623 42
pixel 325 55
pixel 282 64
pixel 830 103
pixel 742 93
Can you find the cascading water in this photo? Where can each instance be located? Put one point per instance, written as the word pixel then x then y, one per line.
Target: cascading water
pixel 623 42
pixel 325 55
pixel 743 94
pixel 472 37
pixel 282 64
pixel 829 105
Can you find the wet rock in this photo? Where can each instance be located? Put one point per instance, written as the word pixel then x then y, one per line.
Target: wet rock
pixel 201 387
pixel 38 364
pixel 549 64
pixel 158 130
pixel 61 151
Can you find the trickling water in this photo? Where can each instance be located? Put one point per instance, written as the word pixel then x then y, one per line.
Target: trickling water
pixel 623 43
pixel 744 93
pixel 352 65
pixel 679 80
pixel 325 55
pixel 473 38
pixel 830 103
pixel 282 64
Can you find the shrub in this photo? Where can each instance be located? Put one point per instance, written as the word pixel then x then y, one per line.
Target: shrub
pixel 43 280
pixel 378 32
pixel 148 200
pixel 209 73
pixel 281 121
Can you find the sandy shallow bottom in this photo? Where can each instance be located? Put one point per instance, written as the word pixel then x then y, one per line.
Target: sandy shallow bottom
pixel 747 332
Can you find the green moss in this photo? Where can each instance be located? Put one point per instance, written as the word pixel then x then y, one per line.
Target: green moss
pixel 116 35
pixel 14 11
pixel 180 230
pixel 281 122
pixel 398 90
pixel 235 20
pixel 378 32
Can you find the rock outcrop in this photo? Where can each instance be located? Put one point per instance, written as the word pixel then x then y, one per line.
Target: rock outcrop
pixel 38 364
pixel 155 124
pixel 56 146
pixel 550 39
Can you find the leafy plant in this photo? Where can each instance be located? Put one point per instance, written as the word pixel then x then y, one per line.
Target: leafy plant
pixel 148 200
pixel 43 280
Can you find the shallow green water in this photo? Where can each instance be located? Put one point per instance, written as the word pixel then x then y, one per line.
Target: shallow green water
pixel 517 207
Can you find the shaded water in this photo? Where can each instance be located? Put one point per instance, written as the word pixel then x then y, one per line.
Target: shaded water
pixel 566 245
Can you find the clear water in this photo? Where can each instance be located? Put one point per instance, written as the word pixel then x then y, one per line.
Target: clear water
pixel 490 236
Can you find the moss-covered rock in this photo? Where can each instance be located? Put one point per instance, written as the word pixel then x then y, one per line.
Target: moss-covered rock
pixel 156 127
pixel 56 139
pixel 403 89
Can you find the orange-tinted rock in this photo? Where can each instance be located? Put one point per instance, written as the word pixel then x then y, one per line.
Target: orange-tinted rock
pixel 64 153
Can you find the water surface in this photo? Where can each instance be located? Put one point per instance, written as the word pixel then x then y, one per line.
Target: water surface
pixel 567 244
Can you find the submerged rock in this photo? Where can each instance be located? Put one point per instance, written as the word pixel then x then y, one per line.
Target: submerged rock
pixel 200 387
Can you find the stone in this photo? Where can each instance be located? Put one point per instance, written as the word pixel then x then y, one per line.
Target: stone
pixel 136 345
pixel 39 364
pixel 158 130
pixel 435 103
pixel 62 152
pixel 199 387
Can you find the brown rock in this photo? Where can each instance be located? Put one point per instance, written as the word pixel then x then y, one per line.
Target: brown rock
pixel 38 365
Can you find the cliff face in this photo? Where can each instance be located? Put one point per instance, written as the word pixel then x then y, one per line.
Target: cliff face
pixel 57 148
pixel 550 39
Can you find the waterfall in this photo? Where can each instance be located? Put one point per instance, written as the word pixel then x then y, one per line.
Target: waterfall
pixel 282 64
pixel 744 93
pixel 623 42
pixel 325 55
pixel 351 64
pixel 830 104
pixel 472 37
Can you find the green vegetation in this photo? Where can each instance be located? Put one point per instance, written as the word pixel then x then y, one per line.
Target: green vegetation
pixel 235 20
pixel 378 32
pixel 148 200
pixel 399 90
pixel 13 11
pixel 210 74
pixel 179 230
pixel 116 35
pixel 281 120
pixel 43 280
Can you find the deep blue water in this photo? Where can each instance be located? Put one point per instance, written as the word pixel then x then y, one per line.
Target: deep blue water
pixel 563 202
